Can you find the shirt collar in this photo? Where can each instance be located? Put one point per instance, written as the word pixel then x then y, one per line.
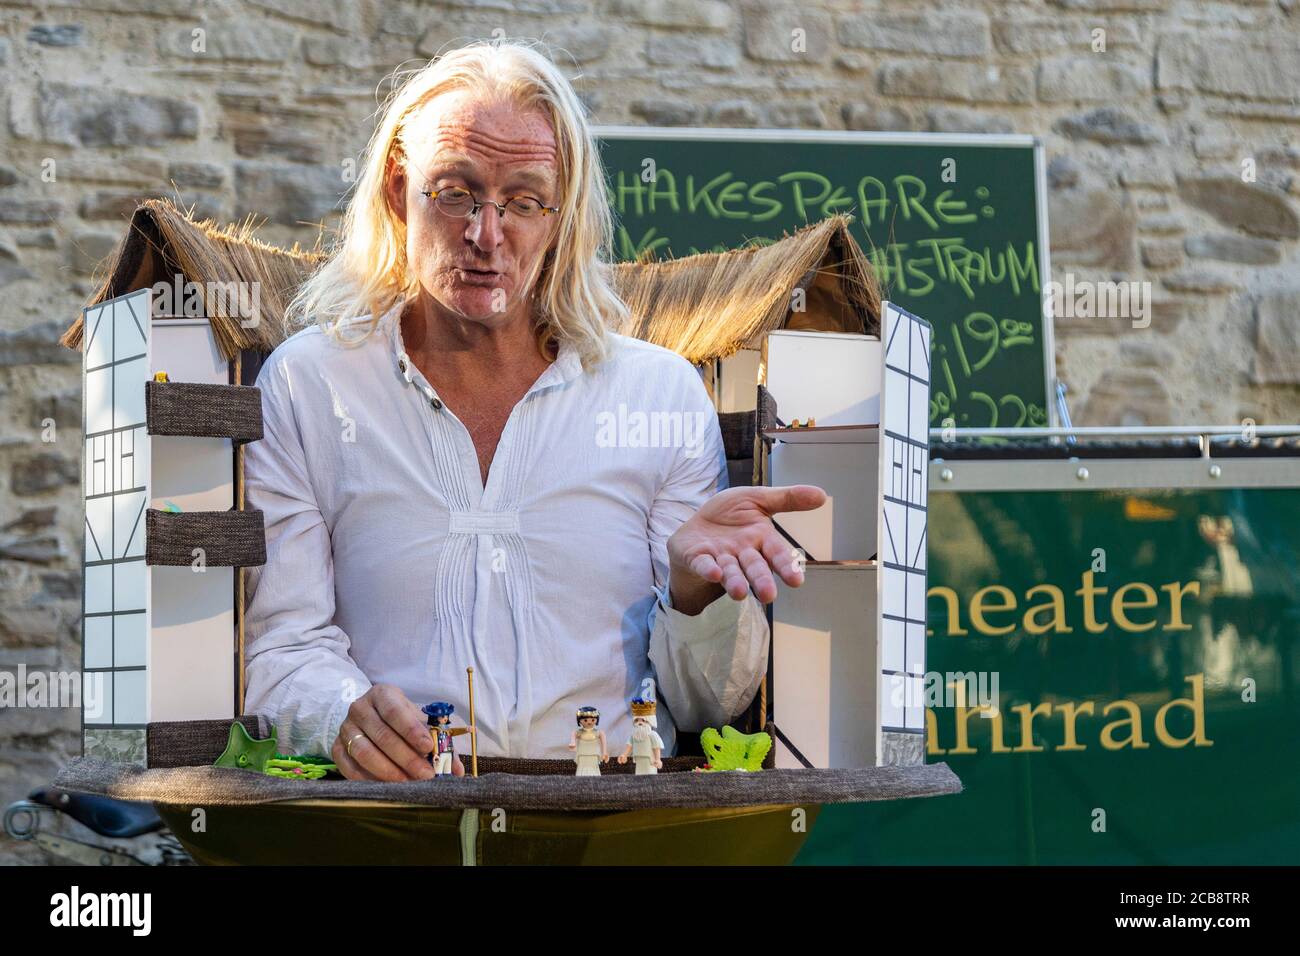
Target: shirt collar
pixel 566 367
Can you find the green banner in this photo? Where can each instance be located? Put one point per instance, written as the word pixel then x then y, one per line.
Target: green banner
pixel 1143 647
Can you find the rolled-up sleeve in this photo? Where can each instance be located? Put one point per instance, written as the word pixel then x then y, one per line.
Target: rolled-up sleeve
pixel 299 674
pixel 708 666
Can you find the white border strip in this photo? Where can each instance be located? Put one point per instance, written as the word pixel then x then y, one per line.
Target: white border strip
pixel 768 134
pixel 1119 431
pixel 1114 474
pixel 1044 277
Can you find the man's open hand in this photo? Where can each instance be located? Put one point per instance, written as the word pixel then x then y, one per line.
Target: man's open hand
pixel 731 545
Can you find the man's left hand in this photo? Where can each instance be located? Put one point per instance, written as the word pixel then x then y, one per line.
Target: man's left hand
pixel 730 545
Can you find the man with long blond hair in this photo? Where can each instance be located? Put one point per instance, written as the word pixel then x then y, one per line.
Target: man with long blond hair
pixel 438 492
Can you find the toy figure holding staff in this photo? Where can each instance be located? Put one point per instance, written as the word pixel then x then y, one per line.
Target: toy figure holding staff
pixel 443 757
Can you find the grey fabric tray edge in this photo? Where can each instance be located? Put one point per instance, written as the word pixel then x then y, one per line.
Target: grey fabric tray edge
pixel 212 786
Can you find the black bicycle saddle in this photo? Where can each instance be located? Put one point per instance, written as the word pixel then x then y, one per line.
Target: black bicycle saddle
pixel 116 819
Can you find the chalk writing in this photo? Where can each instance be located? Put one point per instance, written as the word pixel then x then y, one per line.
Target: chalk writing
pixel 808 195
pixel 963 251
pixel 969 347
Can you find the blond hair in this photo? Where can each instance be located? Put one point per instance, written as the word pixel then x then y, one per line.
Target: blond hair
pixel 367 275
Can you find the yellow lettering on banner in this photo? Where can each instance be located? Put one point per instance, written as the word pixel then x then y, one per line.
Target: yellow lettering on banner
pixel 1045 610
pixel 1056 606
pixel 1027 715
pixel 1176 592
pixel 978 609
pixel 1071 711
pixel 1196 704
pixel 1124 730
pixel 1088 593
pixel 963 715
pixel 1119 606
pixel 1133 721
pixel 932 747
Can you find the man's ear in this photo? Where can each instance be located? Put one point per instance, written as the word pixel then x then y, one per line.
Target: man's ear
pixel 395 187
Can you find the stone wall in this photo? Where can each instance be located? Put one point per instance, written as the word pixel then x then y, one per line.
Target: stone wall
pixel 259 112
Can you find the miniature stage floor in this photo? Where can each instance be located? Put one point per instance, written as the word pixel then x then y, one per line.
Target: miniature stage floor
pixel 499 818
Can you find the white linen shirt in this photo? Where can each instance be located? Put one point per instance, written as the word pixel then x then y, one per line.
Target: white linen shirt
pixel 389 561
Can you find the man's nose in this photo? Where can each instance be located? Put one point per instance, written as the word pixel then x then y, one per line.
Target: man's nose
pixel 485 228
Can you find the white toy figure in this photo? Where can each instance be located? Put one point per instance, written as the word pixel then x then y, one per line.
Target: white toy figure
pixel 645 746
pixel 588 743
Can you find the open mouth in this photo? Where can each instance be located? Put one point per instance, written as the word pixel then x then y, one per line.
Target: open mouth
pixel 478 276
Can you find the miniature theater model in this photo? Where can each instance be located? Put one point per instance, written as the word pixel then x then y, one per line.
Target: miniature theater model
pixel 848 647
pixel 163 531
pixel 167 537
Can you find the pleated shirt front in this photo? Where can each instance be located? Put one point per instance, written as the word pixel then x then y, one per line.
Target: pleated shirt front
pixel 389 560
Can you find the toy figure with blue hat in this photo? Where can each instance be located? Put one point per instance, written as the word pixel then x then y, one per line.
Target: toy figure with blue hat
pixel 443 757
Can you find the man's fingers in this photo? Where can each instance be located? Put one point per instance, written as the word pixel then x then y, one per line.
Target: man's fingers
pixel 347 766
pixel 399 753
pixel 406 720
pixel 733 578
pixel 707 568
pixel 789 498
pixel 387 718
pixel 780 554
pixel 368 756
pixel 756 569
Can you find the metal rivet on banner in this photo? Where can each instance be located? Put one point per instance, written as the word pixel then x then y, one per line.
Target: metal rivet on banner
pixel 1215 471
pixel 1082 473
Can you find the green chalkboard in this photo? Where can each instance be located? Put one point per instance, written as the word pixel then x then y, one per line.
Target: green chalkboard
pixel 953 225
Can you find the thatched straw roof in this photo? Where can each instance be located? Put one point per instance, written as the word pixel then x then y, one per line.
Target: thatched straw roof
pixel 162 242
pixel 702 307
pixel 709 305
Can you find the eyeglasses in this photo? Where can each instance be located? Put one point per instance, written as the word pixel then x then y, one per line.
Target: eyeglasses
pixel 459 202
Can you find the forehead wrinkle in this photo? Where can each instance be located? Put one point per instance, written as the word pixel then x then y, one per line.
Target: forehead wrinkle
pixel 473 140
pixel 524 167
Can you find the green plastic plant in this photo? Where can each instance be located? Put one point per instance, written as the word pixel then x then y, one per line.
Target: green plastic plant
pixel 244 753
pixel 732 750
